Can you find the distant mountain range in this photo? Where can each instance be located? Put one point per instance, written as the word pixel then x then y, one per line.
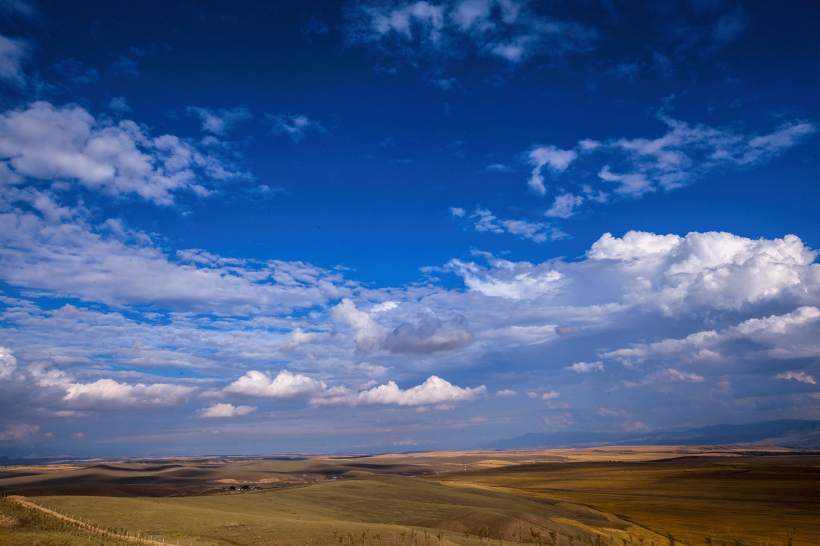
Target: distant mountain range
pixel 795 433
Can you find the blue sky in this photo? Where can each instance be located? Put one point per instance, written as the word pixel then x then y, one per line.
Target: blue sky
pixel 325 227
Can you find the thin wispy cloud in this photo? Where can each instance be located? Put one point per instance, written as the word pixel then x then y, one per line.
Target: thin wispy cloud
pixel 296 126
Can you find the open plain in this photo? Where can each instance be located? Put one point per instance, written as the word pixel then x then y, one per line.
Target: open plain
pixel 621 495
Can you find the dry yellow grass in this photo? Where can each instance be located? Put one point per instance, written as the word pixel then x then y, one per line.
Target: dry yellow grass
pixel 400 500
pixel 743 498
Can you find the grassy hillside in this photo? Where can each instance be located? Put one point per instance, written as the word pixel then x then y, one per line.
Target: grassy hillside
pixel 624 496
pixel 24 526
pixel 732 500
pixel 388 509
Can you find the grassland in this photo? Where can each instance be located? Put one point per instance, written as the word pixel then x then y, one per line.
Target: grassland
pixel 563 497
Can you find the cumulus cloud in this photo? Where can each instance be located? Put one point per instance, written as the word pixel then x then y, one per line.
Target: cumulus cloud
pixel 384 306
pixel 789 335
pixel 49 143
pixel 505 392
pixel 366 333
pixel 583 367
pixel 285 386
pixel 220 121
pixel 288 386
pixel 715 270
pixel 297 337
pixel 431 335
pixel 225 411
pixel 108 394
pixel 14 53
pixel 512 280
pixel 503 29
pixel 634 245
pixel 457 212
pixel 551 395
pixel 8 364
pixel 296 126
pixel 433 391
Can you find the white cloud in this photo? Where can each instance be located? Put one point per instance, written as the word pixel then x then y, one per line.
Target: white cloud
pixel 366 333
pixel 538 232
pixel 496 28
pixel 715 270
pixel 551 395
pixel 683 154
pixel 634 184
pixel 225 411
pixel 296 338
pixel 505 392
pixel 8 364
pixel 49 143
pixel 288 386
pixel 285 386
pixel 384 306
pixel 798 376
pixel 556 159
pixel 512 280
pixel 634 245
pixel 686 152
pixel 486 221
pixel 696 275
pixel 582 367
pixel 458 212
pixel 14 53
pixel 433 391
pixel 564 205
pixel 107 394
pixel 221 121
pixel 785 332
pixel 100 266
pixel 296 126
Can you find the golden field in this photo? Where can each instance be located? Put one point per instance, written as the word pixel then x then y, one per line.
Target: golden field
pixel 619 495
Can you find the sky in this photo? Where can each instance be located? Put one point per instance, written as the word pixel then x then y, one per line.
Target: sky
pixel 325 227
